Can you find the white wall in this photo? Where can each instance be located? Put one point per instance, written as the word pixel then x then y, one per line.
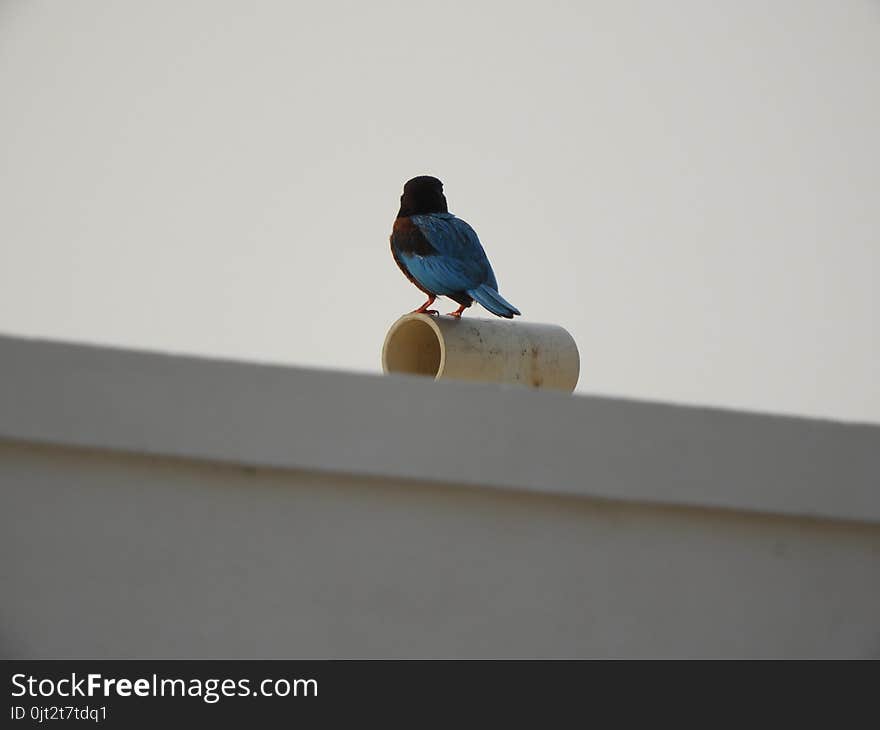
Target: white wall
pixel 106 555
pixel 158 506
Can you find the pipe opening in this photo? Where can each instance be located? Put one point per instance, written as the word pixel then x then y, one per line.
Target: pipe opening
pixel 413 348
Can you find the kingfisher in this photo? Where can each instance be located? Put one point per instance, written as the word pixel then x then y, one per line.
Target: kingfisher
pixel 441 254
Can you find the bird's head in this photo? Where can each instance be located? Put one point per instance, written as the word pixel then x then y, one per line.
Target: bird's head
pixel 423 194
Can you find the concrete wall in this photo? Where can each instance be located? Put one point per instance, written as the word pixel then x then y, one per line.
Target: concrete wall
pixel 120 556
pixel 173 552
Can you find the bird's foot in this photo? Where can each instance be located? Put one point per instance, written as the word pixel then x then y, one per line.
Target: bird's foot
pixel 458 312
pixel 424 308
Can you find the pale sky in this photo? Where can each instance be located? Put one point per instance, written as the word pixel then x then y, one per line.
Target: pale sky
pixel 691 188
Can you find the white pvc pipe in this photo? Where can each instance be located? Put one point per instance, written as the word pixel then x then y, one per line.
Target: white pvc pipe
pixel 496 351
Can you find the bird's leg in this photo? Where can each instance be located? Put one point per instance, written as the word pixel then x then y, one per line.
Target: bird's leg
pixel 424 308
pixel 458 312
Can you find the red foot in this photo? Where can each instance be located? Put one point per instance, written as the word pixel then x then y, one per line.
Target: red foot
pixel 424 308
pixel 458 312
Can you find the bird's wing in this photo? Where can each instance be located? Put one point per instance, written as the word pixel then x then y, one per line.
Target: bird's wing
pixel 460 263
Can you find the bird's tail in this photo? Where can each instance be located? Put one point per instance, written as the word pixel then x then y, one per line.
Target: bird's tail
pixel 493 301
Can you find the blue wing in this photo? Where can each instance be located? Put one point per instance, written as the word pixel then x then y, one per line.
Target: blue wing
pixel 460 263
pixel 446 257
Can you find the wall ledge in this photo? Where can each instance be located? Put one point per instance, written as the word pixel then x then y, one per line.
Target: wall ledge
pixel 461 433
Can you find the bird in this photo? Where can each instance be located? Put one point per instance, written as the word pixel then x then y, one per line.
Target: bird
pixel 441 254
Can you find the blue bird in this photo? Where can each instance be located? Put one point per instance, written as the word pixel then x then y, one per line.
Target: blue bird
pixel 441 254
